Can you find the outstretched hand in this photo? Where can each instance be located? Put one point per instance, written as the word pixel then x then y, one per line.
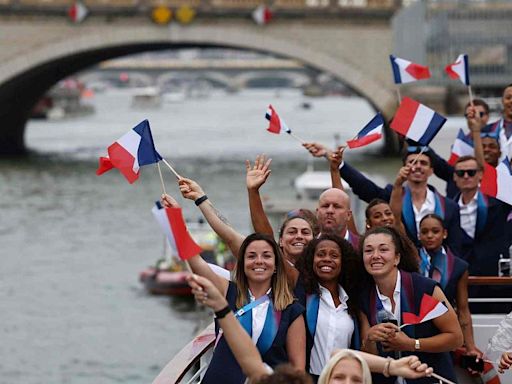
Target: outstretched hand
pixel 409 367
pixel 475 123
pixel 190 189
pixel 335 158
pixel 316 149
pixel 258 174
pixel 168 201
pixel 206 293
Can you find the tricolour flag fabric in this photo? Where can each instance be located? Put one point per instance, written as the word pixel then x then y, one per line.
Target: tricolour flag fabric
pixel 173 226
pixel 416 121
pixel 459 69
pixel 405 71
pixel 77 12
pixel 133 150
pixel 430 308
pixel 370 133
pixel 463 146
pixel 497 182
pixel 262 14
pixel 275 122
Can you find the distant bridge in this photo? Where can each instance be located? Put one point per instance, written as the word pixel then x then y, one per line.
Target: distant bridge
pixel 350 39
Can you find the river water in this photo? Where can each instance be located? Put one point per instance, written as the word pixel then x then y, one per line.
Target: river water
pixel 72 243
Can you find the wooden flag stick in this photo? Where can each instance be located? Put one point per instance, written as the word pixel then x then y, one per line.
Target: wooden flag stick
pixel 398 95
pixel 419 154
pixel 172 169
pixel 161 178
pixel 297 138
pixel 470 95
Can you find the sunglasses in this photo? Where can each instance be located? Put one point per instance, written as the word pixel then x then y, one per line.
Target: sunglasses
pixel 482 114
pixel 462 172
pixel 492 135
pixel 415 148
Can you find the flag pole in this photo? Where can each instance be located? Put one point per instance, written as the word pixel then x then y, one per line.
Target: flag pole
pixel 398 94
pixel 470 95
pixel 441 378
pixel 172 169
pixel 419 154
pixel 297 138
pixel 161 178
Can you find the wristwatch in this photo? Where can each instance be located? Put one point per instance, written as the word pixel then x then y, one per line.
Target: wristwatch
pixel 417 345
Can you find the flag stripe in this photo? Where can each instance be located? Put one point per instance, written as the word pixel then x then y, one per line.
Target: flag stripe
pixel 124 161
pixel 404 116
pixel 185 245
pixel 421 120
pixel 165 226
pixel 436 123
pixel 489 185
pixel 356 143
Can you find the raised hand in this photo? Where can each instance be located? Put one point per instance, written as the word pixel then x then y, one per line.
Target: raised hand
pixel 168 201
pixel 335 158
pixel 409 367
pixel 206 293
pixel 257 175
pixel 316 149
pixel 190 189
pixel 402 175
pixel 475 123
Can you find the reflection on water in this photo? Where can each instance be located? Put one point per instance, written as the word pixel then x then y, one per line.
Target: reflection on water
pixel 74 243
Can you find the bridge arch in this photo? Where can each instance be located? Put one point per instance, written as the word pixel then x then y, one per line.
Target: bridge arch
pixel 25 78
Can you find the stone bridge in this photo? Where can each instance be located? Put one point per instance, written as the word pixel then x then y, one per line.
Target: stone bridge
pixel 38 50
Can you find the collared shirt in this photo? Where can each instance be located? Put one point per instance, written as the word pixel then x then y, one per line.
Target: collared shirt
pixel 428 206
pixel 334 329
pixel 259 315
pixel 468 214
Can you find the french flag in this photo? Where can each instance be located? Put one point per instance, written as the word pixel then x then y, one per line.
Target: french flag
pixel 370 133
pixel 416 121
pixel 405 71
pixel 497 182
pixel 462 146
pixel 173 226
pixel 130 152
pixel 430 308
pixel 459 69
pixel 275 122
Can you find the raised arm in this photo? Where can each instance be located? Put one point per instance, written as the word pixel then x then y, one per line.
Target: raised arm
pixel 257 176
pixel 238 339
pixel 475 126
pixel 395 201
pixel 197 264
pixel 192 190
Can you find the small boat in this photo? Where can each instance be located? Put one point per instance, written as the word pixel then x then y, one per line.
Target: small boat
pixel 147 97
pixel 165 282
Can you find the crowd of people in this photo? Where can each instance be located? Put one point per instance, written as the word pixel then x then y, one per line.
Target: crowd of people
pixel 328 300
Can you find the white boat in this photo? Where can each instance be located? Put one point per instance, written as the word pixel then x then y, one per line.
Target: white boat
pixel 147 97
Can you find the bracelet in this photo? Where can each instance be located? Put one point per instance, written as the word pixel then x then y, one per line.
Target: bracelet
pixel 385 371
pixel 201 200
pixel 223 312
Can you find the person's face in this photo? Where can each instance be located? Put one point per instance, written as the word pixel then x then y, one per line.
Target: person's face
pixel 467 175
pixel 380 215
pixel 327 261
pixel 507 103
pixel 333 211
pixel 259 261
pixel 480 111
pixel 421 170
pixel 296 235
pixel 432 234
pixel 347 371
pixel 492 150
pixel 379 254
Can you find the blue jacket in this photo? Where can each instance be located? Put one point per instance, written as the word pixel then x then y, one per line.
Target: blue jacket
pixel 367 190
pixel 444 171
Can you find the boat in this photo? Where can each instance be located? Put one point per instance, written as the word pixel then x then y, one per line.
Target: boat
pixel 146 97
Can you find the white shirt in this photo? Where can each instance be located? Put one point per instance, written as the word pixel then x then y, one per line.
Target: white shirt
pixel 468 215
pixel 386 301
pixel 259 315
pixel 428 206
pixel 334 329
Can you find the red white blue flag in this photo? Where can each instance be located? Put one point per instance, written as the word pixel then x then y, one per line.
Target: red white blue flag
pixel 173 226
pixel 405 71
pixel 430 308
pixel 416 121
pixel 370 133
pixel 275 122
pixel 130 152
pixel 497 182
pixel 462 146
pixel 459 69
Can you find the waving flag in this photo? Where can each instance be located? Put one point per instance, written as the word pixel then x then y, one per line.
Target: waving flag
pixel 262 15
pixel 173 226
pixel 130 152
pixel 430 308
pixel 459 69
pixel 405 71
pixel 275 122
pixel 370 133
pixel 463 146
pixel 497 182
pixel 416 121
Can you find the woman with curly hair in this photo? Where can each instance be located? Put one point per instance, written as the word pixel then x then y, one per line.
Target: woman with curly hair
pixel 392 287
pixel 328 291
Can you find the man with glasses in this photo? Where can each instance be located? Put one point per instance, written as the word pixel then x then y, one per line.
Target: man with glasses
pixel 486 231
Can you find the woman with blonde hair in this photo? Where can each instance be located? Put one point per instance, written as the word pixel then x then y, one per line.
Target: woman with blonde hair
pixel 348 365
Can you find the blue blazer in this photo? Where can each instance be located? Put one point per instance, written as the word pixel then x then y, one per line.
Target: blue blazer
pixel 367 190
pixel 444 171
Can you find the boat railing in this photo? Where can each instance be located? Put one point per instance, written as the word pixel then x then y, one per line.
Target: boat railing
pixel 189 364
